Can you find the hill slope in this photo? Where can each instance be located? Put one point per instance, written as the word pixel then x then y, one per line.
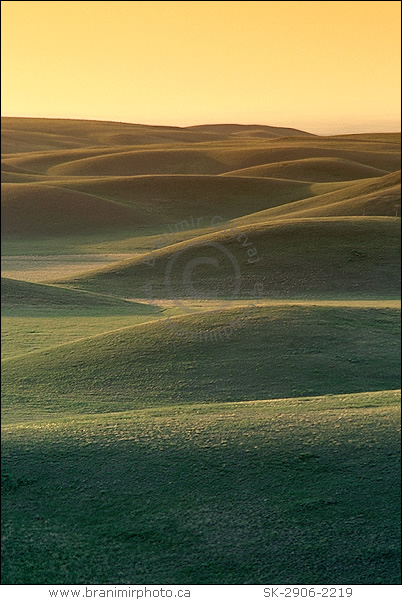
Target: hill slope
pixel 212 160
pixel 310 258
pixel 283 351
pixel 377 197
pixel 32 210
pixel 385 202
pixel 112 204
pixel 242 419
pixel 167 198
pixel 313 169
pixel 28 135
pixel 17 294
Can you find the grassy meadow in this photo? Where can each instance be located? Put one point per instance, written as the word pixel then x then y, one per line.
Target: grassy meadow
pixel 201 358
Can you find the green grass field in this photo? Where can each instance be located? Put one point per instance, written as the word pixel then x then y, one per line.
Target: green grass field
pixel 236 493
pixel 227 412
pixel 276 352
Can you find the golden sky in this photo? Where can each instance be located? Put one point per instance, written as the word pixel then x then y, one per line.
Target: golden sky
pixel 323 66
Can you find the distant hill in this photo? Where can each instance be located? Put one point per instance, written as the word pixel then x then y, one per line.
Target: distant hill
pixel 211 160
pixel 313 169
pixel 250 130
pixel 70 178
pixel 373 197
pixel 33 210
pixel 32 135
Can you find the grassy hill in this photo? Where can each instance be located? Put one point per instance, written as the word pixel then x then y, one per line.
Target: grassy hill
pixel 37 163
pixel 212 160
pixel 168 198
pixel 21 294
pixel 37 316
pixel 30 210
pixel 249 130
pixel 385 202
pixel 389 138
pixel 376 197
pixel 275 352
pixel 124 204
pixel 313 169
pixel 9 177
pixel 196 400
pixel 306 258
pixel 115 204
pixel 30 135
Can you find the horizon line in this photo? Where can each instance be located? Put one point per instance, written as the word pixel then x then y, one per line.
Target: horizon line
pixel 203 124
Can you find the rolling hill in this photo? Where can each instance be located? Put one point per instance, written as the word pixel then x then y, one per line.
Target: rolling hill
pixel 165 199
pixel 126 203
pixel 306 258
pixel 277 352
pixel 30 210
pixel 212 160
pixel 16 295
pixel 313 169
pixel 30 135
pixel 221 406
pixel 385 202
pixel 38 163
pixel 376 197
